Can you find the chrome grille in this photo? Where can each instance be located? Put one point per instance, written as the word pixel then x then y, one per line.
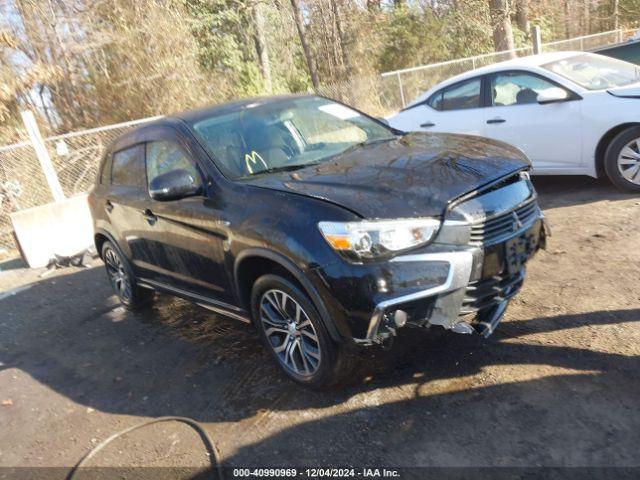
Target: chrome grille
pixel 504 225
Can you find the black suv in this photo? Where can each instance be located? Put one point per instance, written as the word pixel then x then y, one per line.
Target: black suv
pixel 322 226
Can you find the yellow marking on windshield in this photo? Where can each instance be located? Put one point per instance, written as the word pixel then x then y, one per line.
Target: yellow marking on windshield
pixel 252 159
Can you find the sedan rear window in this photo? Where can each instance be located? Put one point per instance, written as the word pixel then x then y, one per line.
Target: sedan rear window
pixel 461 95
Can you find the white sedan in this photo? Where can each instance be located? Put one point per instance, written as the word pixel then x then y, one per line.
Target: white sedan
pixel 572 113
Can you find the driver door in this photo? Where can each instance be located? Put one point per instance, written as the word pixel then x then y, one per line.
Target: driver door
pixel 550 135
pixel 184 239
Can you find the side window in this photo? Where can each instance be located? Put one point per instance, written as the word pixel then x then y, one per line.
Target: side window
pixel 435 100
pixel 127 167
pixel 462 95
pixel 517 88
pixel 164 157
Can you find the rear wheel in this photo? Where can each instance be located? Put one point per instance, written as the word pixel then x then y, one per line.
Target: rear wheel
pixel 292 330
pixel 622 160
pixel 122 279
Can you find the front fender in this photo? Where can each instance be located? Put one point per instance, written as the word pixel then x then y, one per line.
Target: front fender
pixel 305 276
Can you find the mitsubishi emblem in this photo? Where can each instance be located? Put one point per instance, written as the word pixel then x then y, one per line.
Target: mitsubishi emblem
pixel 517 224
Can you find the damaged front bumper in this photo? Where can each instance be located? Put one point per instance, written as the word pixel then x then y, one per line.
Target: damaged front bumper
pixel 472 299
pixel 383 321
pixel 462 282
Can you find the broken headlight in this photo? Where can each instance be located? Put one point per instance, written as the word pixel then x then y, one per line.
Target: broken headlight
pixel 378 238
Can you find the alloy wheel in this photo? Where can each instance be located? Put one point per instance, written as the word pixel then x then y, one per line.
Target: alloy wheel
pixel 118 275
pixel 629 161
pixel 290 333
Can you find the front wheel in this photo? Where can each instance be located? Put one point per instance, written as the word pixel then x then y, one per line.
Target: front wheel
pixel 622 160
pixel 292 330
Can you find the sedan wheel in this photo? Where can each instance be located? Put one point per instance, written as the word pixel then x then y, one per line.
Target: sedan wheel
pixel 290 333
pixel 629 162
pixel 622 160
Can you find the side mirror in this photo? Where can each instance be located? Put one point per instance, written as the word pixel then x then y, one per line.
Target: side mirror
pixel 552 95
pixel 173 185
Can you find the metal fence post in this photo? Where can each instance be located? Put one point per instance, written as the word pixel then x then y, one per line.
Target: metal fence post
pixel 537 40
pixel 404 104
pixel 42 154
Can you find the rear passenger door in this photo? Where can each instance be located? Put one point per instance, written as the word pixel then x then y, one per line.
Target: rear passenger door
pixel 184 242
pixel 456 108
pixel 126 196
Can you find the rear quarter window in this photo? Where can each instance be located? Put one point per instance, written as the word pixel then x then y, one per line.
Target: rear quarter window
pixel 127 167
pixel 105 167
pixel 435 101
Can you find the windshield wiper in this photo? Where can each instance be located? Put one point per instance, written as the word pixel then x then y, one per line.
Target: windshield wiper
pixel 285 168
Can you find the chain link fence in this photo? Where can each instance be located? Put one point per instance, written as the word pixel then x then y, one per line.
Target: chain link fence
pixel 22 185
pixel 384 94
pixel 75 156
pixel 391 91
pixel 588 42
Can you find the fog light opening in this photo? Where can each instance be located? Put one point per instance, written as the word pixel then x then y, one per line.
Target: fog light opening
pixel 463 328
pixel 399 318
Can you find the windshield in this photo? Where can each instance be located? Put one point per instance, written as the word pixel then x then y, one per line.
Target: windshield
pixel 596 72
pixel 285 135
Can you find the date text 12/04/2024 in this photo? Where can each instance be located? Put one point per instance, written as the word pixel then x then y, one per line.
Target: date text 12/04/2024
pixel 316 472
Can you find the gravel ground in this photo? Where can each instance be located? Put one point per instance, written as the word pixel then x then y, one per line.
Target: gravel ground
pixel 556 385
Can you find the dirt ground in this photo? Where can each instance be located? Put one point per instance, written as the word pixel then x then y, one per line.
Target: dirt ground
pixel 558 384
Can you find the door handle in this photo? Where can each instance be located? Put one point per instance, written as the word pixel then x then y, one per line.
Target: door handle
pixel 496 120
pixel 427 124
pixel 149 216
pixel 108 206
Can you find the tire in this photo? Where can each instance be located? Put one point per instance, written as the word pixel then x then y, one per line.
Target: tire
pixel 296 337
pixel 622 160
pixel 122 279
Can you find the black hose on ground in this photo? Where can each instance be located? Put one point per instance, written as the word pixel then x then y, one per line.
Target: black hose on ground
pixel 206 439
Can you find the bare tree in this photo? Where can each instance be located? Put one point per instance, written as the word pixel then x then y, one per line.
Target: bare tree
pixel 308 55
pixel 261 44
pixel 567 19
pixel 501 25
pixel 522 16
pixel 616 14
pixel 373 5
pixel 341 35
pixel 586 17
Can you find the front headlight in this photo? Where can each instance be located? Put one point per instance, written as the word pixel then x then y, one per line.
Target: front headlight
pixel 372 239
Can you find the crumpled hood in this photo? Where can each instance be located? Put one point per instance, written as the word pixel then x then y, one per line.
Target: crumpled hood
pixel 630 91
pixel 417 175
